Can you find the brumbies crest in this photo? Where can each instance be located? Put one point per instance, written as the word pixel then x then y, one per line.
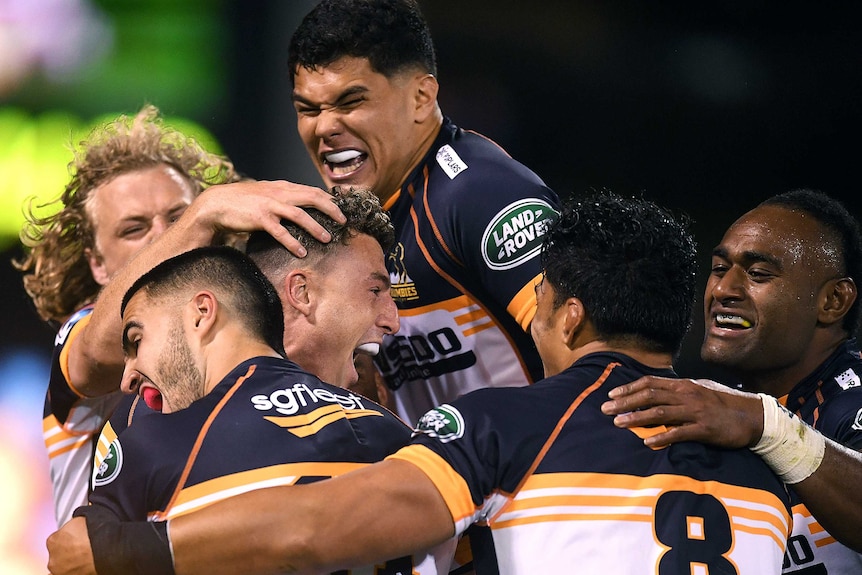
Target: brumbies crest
pixel 515 233
pixel 443 422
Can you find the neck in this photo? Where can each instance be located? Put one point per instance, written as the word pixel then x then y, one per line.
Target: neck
pixel 779 381
pixel 228 350
pixel 652 359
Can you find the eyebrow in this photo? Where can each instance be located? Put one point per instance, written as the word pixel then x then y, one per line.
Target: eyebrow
pixel 384 278
pixel 750 256
pixel 351 91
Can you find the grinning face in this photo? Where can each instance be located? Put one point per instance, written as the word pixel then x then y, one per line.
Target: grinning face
pixel 769 276
pixel 159 365
pixel 350 310
pixel 129 212
pixel 360 127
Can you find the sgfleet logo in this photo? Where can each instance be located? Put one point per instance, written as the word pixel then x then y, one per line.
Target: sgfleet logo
pixel 290 400
pixel 515 233
pixel 443 422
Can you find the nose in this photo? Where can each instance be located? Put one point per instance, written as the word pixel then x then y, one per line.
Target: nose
pixel 158 227
pixel 131 381
pixel 728 287
pixel 388 318
pixel 328 124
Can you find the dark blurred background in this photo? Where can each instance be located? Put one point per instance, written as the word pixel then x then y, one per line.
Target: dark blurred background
pixel 706 108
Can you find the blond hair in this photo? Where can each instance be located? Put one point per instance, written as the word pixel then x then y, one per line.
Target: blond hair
pixel 55 268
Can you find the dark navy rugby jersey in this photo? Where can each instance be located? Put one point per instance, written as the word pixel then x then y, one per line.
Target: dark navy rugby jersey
pixel 266 423
pixel 546 470
pixel 830 400
pixel 469 222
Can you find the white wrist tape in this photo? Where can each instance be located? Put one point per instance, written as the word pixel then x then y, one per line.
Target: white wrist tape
pixel 788 445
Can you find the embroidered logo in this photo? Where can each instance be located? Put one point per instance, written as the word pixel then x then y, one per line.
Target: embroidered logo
pixel 109 468
pixel 857 423
pixel 450 161
pixel 515 233
pixel 402 287
pixel 443 422
pixel 848 379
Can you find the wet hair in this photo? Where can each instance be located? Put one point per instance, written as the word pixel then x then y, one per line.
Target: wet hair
pixel 392 34
pixel 631 263
pixel 231 275
pixel 56 272
pixel 843 229
pixel 364 216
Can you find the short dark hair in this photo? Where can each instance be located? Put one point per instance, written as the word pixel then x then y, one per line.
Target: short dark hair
pixel 843 229
pixel 631 263
pixel 364 215
pixel 392 34
pixel 224 270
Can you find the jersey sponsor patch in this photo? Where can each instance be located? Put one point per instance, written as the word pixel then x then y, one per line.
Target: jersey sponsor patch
pixel 443 422
pixel 450 161
pixel 857 423
pixel 110 466
pixel 848 379
pixel 515 233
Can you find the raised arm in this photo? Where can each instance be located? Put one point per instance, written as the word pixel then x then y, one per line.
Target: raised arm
pixel 385 510
pixel 95 357
pixel 708 412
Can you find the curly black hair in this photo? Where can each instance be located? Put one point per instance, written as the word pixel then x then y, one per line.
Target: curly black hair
pixel 392 34
pixel 844 230
pixel 632 264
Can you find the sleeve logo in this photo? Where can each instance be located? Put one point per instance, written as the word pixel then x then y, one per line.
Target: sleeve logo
pixel 110 466
pixel 515 233
pixel 443 422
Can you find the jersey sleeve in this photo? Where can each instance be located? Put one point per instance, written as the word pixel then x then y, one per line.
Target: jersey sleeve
pixel 841 418
pixel 126 469
pixel 495 214
pixel 474 463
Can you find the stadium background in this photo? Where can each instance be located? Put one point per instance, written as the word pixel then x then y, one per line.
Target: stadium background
pixel 705 108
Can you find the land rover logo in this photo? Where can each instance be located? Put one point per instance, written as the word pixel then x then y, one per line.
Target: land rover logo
pixel 443 422
pixel 515 233
pixel 110 466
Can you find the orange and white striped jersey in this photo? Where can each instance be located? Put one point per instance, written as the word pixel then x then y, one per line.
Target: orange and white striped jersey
pixel 71 423
pixel 565 491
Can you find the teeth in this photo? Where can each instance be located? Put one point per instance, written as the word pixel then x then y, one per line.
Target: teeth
pixel 732 319
pixel 369 348
pixel 340 157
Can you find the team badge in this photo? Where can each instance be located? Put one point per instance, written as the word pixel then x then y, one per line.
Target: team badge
pixel 515 233
pixel 110 466
pixel 857 423
pixel 443 422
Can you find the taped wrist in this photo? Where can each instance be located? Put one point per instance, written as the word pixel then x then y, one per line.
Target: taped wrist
pixel 792 448
pixel 127 548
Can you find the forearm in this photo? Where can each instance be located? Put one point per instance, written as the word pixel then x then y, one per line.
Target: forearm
pixel 380 512
pixel 96 356
pixel 831 494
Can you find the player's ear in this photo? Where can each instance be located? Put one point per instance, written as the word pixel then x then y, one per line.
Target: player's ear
pixel 203 308
pixel 573 321
pixel 97 266
pixel 425 96
pixel 837 297
pixel 297 293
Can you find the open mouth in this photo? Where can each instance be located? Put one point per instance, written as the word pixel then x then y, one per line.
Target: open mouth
pixel 728 321
pixel 152 397
pixel 344 162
